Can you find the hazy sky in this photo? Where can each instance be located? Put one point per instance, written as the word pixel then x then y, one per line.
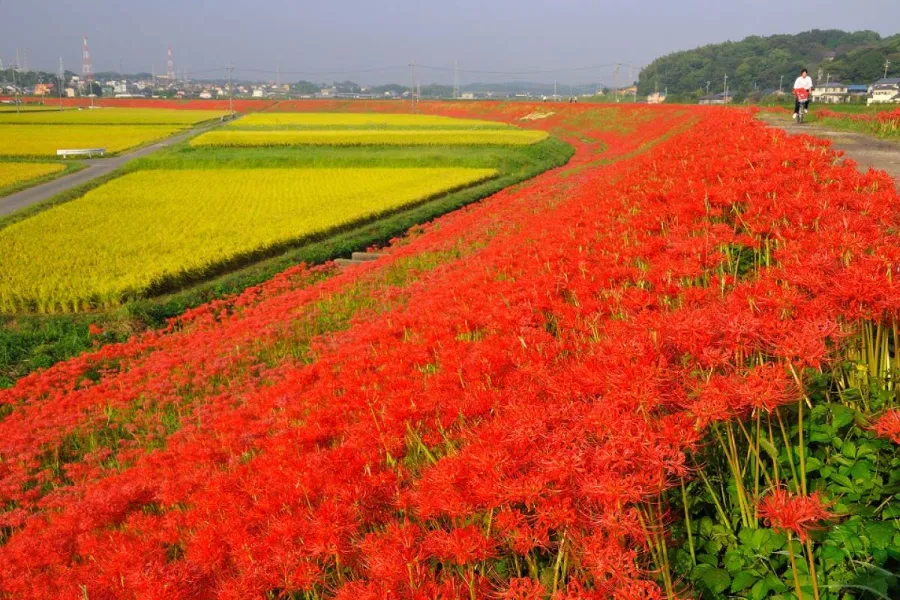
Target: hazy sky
pixel 359 35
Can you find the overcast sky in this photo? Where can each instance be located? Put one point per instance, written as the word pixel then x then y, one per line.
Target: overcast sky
pixel 321 39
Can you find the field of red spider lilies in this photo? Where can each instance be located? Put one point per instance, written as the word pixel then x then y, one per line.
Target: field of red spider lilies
pixel 626 378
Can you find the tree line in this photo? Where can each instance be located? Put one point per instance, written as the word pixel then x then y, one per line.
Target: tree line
pixel 759 63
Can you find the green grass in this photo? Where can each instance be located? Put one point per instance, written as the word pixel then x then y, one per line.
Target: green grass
pixel 873 127
pixel 29 342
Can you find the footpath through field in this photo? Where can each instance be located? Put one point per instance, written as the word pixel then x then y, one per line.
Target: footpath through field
pixel 96 167
pixel 866 150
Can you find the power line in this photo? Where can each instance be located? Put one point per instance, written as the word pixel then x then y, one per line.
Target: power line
pixel 353 72
pixel 535 72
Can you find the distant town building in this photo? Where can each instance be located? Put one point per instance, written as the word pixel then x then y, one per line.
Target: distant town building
pixel 833 92
pixel 720 98
pixel 467 96
pixel 857 91
pixel 884 91
pixel 656 98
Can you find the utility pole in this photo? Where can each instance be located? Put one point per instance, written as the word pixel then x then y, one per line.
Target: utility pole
pixel 725 99
pixel 707 87
pixel 15 85
pixel 781 84
pixel 412 87
pixel 230 91
pixel 633 85
pixel 455 79
pixel 555 95
pixel 617 82
pixel 887 64
pixel 62 76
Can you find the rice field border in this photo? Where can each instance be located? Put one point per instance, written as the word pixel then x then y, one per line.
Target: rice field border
pixel 69 167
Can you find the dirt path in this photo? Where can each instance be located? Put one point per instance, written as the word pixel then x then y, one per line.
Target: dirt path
pixel 97 167
pixel 866 150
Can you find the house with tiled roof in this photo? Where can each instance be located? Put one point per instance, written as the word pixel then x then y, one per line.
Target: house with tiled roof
pixel 884 91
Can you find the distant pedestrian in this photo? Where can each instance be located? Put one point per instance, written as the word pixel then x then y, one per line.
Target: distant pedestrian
pixel 802 89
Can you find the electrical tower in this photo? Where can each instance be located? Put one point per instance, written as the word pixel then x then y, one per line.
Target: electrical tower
pixel 455 79
pixel 25 59
pixel 170 66
pixel 87 67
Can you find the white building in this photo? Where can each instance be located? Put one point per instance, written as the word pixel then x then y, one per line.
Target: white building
pixel 720 98
pixel 833 92
pixel 884 91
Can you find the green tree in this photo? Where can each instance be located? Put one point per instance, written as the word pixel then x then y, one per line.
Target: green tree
pixel 760 62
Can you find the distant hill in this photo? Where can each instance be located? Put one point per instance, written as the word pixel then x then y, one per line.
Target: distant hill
pixel 759 62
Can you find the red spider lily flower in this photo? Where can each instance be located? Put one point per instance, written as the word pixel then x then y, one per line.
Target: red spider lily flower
pixel 94 330
pixel 888 425
pixel 554 353
pixel 794 513
pixel 765 387
pixel 523 588
pixel 461 546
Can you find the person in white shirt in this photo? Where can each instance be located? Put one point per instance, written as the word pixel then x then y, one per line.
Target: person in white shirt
pixel 802 89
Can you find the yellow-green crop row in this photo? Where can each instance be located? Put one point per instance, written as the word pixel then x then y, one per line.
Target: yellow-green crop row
pixel 154 228
pixel 29 108
pixel 369 137
pixel 14 173
pixel 45 140
pixel 111 116
pixel 361 120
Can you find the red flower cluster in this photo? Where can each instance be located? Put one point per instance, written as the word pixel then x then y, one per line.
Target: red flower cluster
pixel 888 425
pixel 517 376
pixel 793 513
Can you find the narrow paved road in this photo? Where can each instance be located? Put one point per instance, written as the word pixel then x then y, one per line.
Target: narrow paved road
pixel 96 167
pixel 866 150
